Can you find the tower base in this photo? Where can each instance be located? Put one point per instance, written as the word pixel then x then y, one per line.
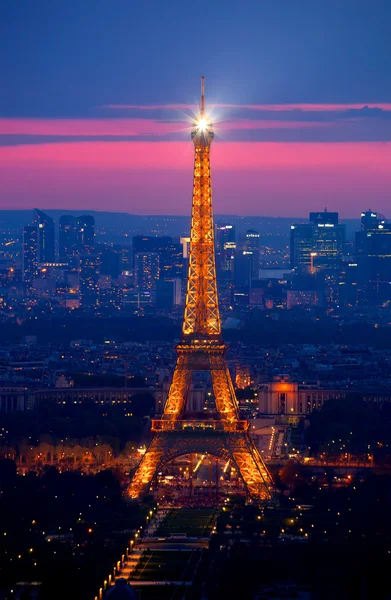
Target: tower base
pixel 236 446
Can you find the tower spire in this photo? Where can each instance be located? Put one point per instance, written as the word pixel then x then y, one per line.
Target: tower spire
pixel 202 110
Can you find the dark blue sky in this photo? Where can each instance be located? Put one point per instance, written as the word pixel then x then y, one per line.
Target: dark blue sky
pixel 65 58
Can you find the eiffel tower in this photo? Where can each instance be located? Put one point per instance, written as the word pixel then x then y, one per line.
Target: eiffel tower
pixel 202 348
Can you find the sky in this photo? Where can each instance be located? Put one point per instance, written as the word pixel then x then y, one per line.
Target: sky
pixel 97 98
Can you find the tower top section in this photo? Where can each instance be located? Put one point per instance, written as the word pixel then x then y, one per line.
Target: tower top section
pixel 202 132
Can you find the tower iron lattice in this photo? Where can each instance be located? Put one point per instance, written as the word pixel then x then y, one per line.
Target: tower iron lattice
pixel 202 348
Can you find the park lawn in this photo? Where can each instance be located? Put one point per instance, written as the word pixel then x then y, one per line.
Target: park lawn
pixel 166 566
pixel 192 522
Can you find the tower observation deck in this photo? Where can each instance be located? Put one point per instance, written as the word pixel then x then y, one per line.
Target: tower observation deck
pixel 202 348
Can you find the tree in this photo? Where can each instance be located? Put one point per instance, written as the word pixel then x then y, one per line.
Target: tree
pixel 143 404
pixel 7 472
pixel 290 473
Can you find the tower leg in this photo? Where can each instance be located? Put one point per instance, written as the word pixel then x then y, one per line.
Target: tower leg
pixel 146 469
pixel 239 448
pixel 251 467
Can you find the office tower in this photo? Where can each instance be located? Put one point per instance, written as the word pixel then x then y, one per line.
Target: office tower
pixel 225 247
pixel 110 299
pixel 247 262
pixel 373 258
pixel 165 295
pixel 157 258
pixel 146 270
pixel 301 298
pixel 126 259
pixel 86 232
pixel 319 244
pixel 89 281
pixel 370 220
pixel 328 245
pixel 110 261
pixel 68 237
pixel 252 250
pixel 29 253
pixel 301 245
pixel 45 230
pixel 168 294
pixel 325 217
pixel 171 261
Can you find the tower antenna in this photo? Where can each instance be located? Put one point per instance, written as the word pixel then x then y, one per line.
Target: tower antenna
pixel 202 95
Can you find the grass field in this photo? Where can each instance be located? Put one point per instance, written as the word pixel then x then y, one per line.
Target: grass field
pixel 156 565
pixel 190 521
pixel 166 592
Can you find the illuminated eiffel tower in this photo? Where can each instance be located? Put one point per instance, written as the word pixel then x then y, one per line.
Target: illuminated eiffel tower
pixel 202 348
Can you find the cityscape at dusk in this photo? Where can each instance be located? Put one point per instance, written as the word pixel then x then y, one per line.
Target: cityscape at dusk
pixel 195 300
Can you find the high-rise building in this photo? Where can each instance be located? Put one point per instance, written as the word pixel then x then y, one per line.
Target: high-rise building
pixel 156 258
pixel 110 261
pixel 225 247
pixel 247 261
pixel 370 220
pixel 252 250
pixel 29 253
pixel 68 237
pixel 168 294
pixel 86 232
pixel 89 281
pixel 171 263
pixel 319 244
pixel 46 236
pixel 373 258
pixel 301 245
pixel 146 270
pixel 324 218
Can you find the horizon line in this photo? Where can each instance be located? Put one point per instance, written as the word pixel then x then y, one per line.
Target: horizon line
pixel 155 215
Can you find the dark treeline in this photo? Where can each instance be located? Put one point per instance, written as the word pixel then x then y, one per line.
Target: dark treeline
pixel 106 424
pixel 338 547
pixel 66 530
pixel 353 427
pixel 257 329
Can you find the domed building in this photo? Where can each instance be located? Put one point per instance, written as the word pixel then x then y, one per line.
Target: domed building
pixel 121 590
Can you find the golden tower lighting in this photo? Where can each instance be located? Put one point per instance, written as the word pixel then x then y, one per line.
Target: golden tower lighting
pixel 202 348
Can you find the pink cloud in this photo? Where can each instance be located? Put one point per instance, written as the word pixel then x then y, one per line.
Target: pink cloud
pixel 248 178
pixel 134 127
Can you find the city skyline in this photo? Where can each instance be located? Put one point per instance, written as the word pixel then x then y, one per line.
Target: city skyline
pixel 301 114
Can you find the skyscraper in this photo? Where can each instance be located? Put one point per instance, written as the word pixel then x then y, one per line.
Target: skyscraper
pixel 225 247
pixel 370 220
pixel 156 258
pixel 68 237
pixel 29 253
pixel 373 257
pixel 324 218
pixel 46 236
pixel 252 249
pixel 86 232
pixel 146 270
pixel 319 244
pixel 89 281
pixel 110 260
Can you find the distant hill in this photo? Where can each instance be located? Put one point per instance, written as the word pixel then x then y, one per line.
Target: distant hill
pixel 164 224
